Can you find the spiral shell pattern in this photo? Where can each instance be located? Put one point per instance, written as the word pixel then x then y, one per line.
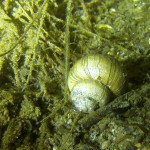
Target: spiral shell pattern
pixel 100 70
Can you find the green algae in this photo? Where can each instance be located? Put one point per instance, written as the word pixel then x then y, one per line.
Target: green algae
pixel 39 41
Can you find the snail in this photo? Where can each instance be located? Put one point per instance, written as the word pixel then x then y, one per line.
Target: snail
pixel 93 79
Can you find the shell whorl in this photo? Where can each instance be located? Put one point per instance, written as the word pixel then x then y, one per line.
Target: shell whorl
pixel 102 69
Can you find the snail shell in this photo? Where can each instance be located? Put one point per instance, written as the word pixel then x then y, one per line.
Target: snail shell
pixel 92 79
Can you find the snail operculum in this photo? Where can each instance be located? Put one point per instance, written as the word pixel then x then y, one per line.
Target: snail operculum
pixel 86 94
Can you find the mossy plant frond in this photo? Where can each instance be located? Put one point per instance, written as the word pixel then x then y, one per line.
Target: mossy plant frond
pixel 67 46
pixel 19 40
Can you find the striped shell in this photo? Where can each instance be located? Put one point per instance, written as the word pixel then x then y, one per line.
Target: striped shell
pixel 92 79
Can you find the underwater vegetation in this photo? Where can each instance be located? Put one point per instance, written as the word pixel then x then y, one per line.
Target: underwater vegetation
pixel 40 40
